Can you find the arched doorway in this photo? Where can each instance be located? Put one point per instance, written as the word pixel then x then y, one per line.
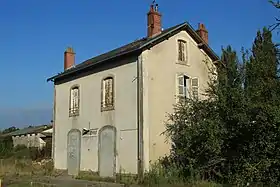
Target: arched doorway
pixel 107 151
pixel 73 151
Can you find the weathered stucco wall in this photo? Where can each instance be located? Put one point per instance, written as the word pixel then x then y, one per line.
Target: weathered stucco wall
pixel 29 140
pixel 160 66
pixel 123 117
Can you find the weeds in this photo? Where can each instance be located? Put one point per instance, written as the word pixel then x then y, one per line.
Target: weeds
pixel 25 167
pixel 156 176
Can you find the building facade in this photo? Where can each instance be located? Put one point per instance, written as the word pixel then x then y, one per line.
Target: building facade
pixel 110 111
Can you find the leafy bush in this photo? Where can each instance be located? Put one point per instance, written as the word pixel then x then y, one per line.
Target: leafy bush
pixel 233 136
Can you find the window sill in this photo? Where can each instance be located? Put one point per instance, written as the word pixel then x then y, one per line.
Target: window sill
pixel 108 108
pixel 74 114
pixel 185 63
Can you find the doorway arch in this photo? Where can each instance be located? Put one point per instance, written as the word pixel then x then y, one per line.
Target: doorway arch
pixel 107 151
pixel 73 151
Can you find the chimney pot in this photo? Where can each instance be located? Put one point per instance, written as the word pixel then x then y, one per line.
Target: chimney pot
pixel 69 58
pixel 202 32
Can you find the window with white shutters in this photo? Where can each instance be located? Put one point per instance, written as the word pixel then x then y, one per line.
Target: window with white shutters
pixel 182 85
pixel 74 101
pixel 194 82
pixel 107 94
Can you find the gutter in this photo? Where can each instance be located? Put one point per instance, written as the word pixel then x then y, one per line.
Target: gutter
pixel 53 123
pixel 140 149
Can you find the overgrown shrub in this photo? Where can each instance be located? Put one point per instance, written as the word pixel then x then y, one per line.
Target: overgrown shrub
pixel 22 152
pixel 6 147
pixel 232 136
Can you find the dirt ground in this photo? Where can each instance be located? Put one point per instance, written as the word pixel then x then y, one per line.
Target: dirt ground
pixel 62 181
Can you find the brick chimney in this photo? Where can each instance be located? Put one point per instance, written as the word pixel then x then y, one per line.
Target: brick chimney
pixel 69 58
pixel 154 21
pixel 202 32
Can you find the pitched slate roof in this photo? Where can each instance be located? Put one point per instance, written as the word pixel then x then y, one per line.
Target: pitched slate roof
pixel 139 45
pixel 29 130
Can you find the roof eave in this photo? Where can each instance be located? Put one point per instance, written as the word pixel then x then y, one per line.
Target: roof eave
pixel 89 65
pixel 201 43
pixel 185 25
pixel 197 38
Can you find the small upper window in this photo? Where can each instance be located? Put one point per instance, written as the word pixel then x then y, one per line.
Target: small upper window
pixel 182 51
pixel 107 102
pixel 74 101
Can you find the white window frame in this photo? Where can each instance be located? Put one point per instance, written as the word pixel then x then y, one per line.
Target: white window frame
pixel 185 85
pixel 195 87
pixel 74 101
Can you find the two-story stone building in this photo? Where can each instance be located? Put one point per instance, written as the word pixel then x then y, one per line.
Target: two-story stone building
pixel 110 111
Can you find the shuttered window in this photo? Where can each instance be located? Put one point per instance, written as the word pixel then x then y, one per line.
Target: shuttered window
pixel 107 93
pixel 182 51
pixel 74 101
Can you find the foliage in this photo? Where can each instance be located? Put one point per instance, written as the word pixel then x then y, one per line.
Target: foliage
pixel 8 130
pixel 6 146
pixel 22 152
pixel 233 135
pixel 276 4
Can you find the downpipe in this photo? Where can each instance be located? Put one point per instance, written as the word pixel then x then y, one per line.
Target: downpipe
pixel 140 150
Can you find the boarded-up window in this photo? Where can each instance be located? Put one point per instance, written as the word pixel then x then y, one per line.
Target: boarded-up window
pixel 182 51
pixel 182 86
pixel 74 101
pixel 195 88
pixel 108 93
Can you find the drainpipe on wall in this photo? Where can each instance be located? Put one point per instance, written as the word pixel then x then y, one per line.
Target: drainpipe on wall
pixel 140 154
pixel 53 122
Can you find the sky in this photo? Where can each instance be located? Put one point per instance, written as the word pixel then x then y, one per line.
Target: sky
pixel 35 33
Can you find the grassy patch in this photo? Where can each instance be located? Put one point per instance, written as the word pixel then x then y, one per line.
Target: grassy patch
pixel 28 184
pixel 23 167
pixel 157 176
pixel 93 176
pixel 12 171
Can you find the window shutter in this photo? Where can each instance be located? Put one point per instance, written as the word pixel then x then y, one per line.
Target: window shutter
pixel 179 50
pixel 180 85
pixel 72 99
pixel 76 97
pixel 107 92
pixel 183 50
pixel 110 90
pixel 186 52
pixel 195 85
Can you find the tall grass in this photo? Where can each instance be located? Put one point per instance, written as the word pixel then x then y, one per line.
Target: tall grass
pixel 24 167
pixel 156 176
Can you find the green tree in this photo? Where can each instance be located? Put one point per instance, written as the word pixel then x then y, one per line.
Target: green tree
pixel 10 129
pixel 232 136
pixel 276 4
pixel 202 130
pixel 262 94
